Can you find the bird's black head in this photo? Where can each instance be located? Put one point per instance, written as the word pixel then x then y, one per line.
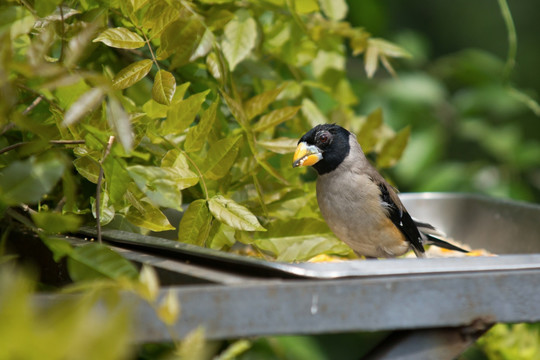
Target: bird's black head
pixel 324 147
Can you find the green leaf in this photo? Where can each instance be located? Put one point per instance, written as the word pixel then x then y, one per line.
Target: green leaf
pixel 147 216
pixel 371 60
pixel 163 185
pixel 233 214
pixel 164 87
pixel 236 109
pixel 223 236
pixel 88 168
pixel 116 178
pixel 106 212
pixel 159 16
pixel 234 350
pixel 393 148
pixel 197 135
pixel 275 118
pixel 389 49
pixel 45 7
pixel 28 180
pixel 59 247
pixel 213 66
pixel 119 120
pixel 221 157
pixel 195 224
pixel 132 74
pixel 334 9
pixel 281 145
pixel 312 113
pixel 88 102
pixel 300 240
pixel 96 261
pixel 205 45
pixel 182 114
pixel 53 222
pixel 120 38
pixel 369 132
pixel 259 103
pixel 180 39
pixel 240 38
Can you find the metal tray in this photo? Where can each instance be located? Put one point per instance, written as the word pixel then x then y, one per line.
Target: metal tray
pixel 508 228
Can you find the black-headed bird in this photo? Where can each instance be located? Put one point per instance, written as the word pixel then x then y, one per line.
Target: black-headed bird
pixel 357 203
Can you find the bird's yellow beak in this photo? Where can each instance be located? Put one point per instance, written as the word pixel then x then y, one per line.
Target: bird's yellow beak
pixel 306 155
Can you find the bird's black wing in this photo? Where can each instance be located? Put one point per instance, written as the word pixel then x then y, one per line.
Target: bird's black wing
pixel 402 220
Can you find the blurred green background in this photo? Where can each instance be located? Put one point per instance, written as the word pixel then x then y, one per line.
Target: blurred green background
pixel 473 130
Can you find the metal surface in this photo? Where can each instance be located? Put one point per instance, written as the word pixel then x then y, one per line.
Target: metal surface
pixel 431 302
pixel 327 306
pixel 500 226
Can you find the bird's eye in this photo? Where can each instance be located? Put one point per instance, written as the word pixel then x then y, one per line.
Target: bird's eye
pixel 324 138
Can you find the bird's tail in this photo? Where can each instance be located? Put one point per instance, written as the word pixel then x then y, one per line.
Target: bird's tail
pixel 432 240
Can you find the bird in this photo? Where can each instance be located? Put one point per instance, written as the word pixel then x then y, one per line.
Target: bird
pixel 361 208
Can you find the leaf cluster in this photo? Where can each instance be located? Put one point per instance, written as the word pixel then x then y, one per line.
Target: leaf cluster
pixel 205 101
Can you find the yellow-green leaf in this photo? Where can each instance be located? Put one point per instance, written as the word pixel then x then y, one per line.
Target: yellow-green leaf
pixel 393 148
pixel 53 222
pixel 240 38
pixel 259 103
pixel 169 309
pixel 131 74
pixel 97 261
pixel 120 38
pixel 148 283
pixel 334 9
pixel 389 49
pixel 221 157
pixel 213 66
pixel 280 145
pixel 164 87
pixel 371 60
pixel 312 113
pixel 195 224
pixel 275 118
pixel 233 214
pixel 148 216
pixel 181 38
pixel 368 134
pixel 196 137
pixel 163 185
pixel 182 114
pixel 119 120
pixel 28 180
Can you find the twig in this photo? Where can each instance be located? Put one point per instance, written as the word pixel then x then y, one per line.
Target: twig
pixel 54 142
pixel 150 48
pixel 66 142
pixel 98 190
pixel 33 105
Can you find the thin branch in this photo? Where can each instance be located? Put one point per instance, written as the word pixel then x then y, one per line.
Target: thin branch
pixel 66 142
pixel 8 127
pixel 33 105
pixel 98 190
pixel 53 142
pixel 150 48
